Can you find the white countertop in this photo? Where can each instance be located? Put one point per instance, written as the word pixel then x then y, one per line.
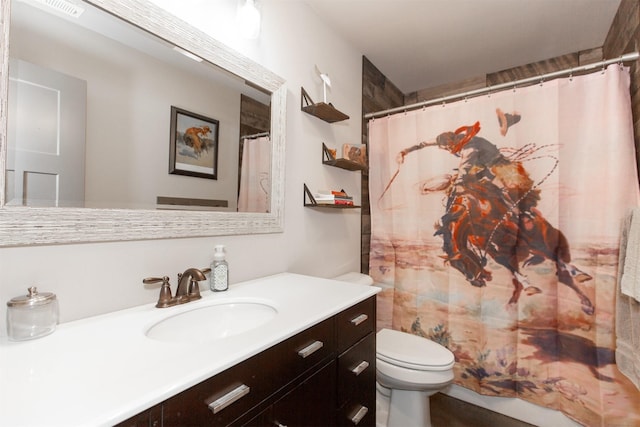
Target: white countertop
pixel 102 370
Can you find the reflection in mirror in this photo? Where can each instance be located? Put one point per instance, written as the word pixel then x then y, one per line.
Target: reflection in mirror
pixel 99 85
pixel 89 116
pixel 255 154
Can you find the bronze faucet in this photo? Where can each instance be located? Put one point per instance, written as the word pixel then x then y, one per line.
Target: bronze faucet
pixel 188 289
pixel 188 283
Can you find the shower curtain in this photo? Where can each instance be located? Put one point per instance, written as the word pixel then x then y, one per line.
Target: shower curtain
pixel 495 232
pixel 255 175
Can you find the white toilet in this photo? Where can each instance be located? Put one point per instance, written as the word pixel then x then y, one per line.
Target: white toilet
pixel 409 370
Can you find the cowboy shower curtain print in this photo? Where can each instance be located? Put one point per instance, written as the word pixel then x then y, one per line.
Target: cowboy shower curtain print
pixel 495 231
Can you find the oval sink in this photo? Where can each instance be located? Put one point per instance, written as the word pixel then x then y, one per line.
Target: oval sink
pixel 212 322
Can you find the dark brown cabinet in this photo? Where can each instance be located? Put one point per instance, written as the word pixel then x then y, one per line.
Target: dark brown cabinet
pixel 311 403
pixel 356 392
pixel 323 376
pixel 152 417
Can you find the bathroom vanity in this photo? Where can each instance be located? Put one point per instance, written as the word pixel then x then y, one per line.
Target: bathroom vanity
pixel 322 376
pixel 311 363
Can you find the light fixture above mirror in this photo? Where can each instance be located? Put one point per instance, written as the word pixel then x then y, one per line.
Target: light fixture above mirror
pixel 27 225
pixel 249 19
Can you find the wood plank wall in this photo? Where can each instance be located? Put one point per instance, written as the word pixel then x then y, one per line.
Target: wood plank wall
pixel 255 117
pixel 378 93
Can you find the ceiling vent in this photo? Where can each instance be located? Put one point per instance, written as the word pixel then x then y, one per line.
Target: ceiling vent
pixel 61 6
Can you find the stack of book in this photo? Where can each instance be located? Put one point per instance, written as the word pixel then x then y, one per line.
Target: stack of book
pixel 333 198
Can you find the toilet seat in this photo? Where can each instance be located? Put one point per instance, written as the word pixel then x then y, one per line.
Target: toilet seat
pixel 399 378
pixel 412 352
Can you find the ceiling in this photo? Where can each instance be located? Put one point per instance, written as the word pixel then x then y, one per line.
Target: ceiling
pixel 424 43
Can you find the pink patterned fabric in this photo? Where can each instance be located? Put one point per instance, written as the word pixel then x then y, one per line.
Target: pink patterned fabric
pixel 501 242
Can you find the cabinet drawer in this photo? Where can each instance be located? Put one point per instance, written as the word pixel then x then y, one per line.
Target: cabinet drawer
pixel 357 373
pixel 356 414
pixel 355 323
pixel 303 351
pixel 229 394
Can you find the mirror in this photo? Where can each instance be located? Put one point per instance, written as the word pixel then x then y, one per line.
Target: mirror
pixel 138 125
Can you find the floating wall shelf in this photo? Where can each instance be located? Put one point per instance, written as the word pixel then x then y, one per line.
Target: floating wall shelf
pixel 310 202
pixel 328 159
pixel 321 110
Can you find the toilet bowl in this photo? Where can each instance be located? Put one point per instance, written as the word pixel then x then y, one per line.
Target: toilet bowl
pixel 409 369
pixel 412 368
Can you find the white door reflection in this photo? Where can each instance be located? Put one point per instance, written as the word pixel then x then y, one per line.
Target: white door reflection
pixel 46 134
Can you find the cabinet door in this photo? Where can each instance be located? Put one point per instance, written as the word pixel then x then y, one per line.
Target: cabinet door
pixel 312 403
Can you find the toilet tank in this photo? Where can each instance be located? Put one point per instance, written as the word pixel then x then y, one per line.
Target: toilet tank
pixel 353 277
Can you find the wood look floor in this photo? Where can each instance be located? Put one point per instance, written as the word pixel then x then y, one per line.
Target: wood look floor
pixel 447 411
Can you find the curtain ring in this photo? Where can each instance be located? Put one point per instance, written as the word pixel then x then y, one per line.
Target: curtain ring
pixel 571 75
pixel 489 92
pixel 541 81
pixel 603 69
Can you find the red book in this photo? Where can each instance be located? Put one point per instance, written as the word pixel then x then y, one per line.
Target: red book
pixel 343 202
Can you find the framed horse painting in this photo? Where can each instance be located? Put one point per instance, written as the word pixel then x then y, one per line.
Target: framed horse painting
pixel 194 144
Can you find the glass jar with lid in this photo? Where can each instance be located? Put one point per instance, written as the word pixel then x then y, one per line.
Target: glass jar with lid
pixel 32 316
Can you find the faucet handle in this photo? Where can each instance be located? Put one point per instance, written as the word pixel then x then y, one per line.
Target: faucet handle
pixel 150 280
pixel 165 299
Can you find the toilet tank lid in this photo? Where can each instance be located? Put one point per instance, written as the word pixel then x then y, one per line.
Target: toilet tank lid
pixel 353 277
pixel 412 351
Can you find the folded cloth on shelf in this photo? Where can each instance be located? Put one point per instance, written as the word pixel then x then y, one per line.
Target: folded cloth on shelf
pixel 628 310
pixel 630 281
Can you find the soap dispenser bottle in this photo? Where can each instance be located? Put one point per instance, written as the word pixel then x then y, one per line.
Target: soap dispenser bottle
pixel 219 280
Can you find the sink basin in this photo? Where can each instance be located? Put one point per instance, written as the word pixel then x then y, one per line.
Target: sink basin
pixel 212 322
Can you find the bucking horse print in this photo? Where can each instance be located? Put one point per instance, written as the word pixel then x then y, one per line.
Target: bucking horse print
pixel 491 212
pixel 495 231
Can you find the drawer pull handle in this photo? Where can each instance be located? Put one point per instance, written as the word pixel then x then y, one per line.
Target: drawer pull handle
pixel 310 349
pixel 360 368
pixel 359 415
pixel 229 398
pixel 359 319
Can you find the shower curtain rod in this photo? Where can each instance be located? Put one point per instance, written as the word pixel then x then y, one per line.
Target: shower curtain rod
pixel 627 57
pixel 255 135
